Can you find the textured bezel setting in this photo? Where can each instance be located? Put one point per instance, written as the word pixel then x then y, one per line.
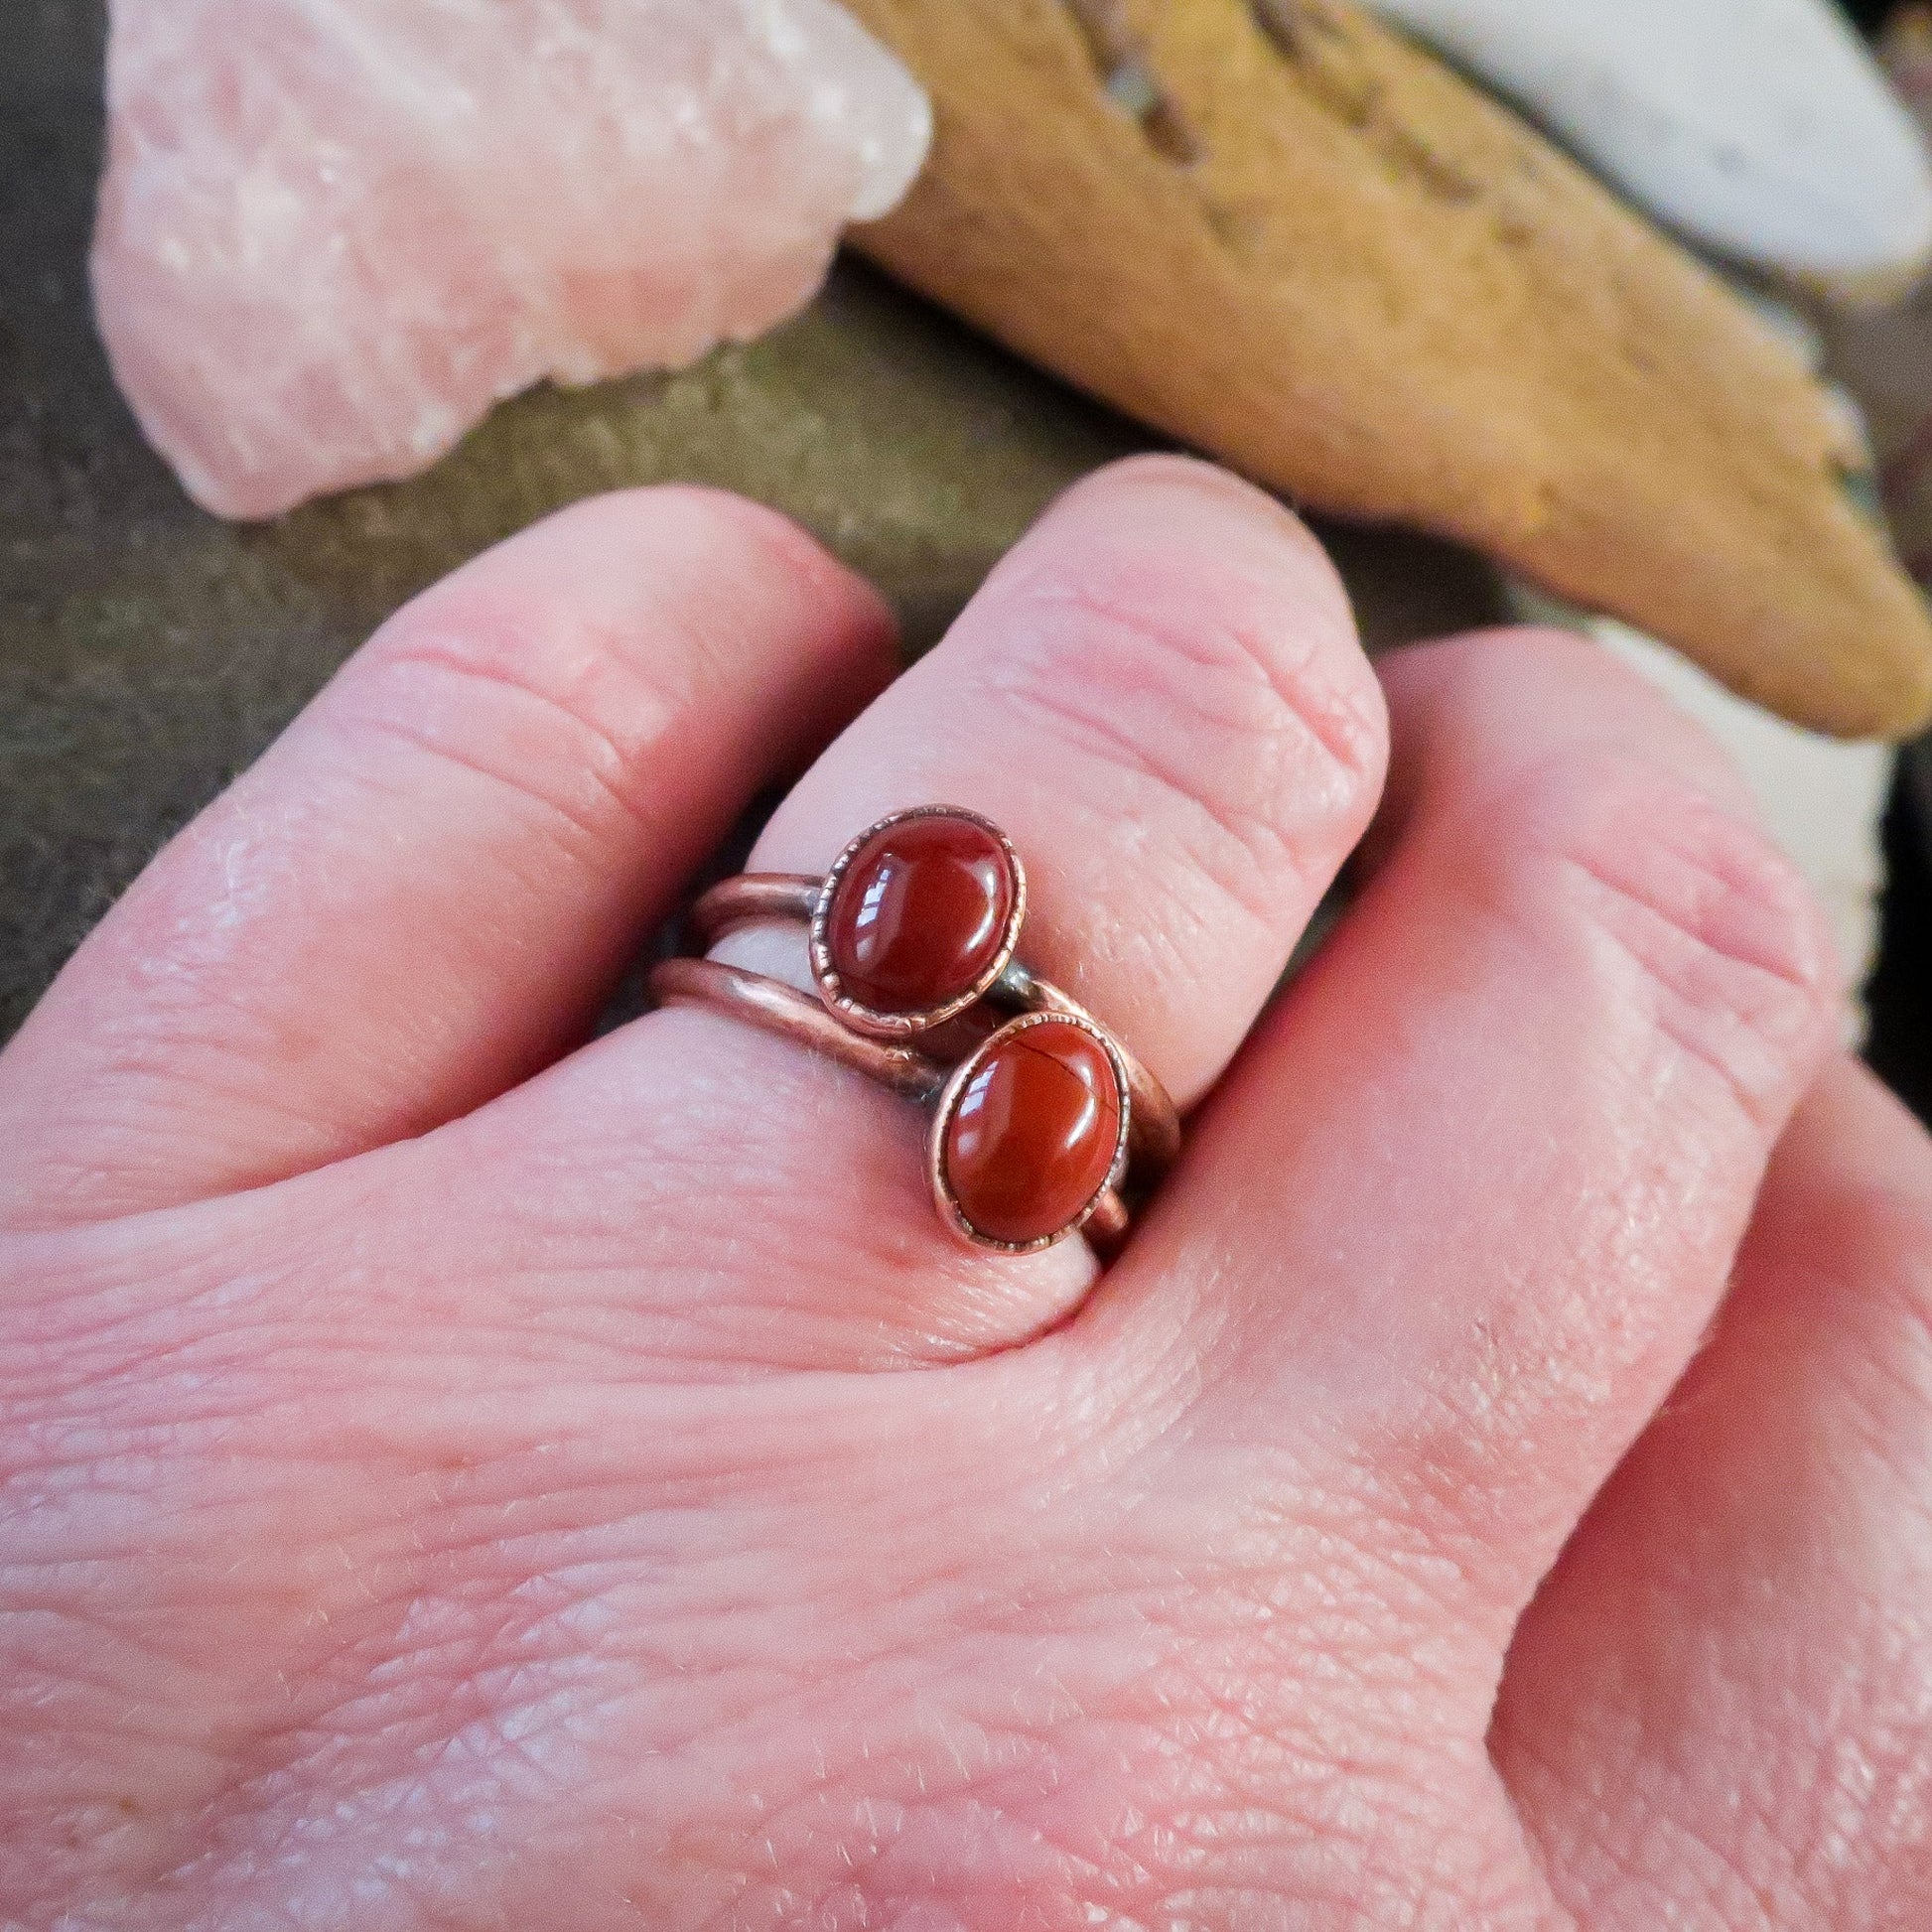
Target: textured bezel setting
pixel 1030 1132
pixel 917 918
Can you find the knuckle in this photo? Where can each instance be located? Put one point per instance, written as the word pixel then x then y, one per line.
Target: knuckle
pixel 1505 657
pixel 543 704
pixel 1691 919
pixel 553 701
pixel 1888 1262
pixel 722 579
pixel 541 667
pixel 713 528
pixel 714 532
pixel 1257 741
pixel 1863 1258
pixel 1559 685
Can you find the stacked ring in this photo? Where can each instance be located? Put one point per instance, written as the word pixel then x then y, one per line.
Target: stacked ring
pixel 1044 1124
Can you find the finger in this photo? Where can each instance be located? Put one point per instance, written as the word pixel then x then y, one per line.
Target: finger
pixel 1729 1663
pixel 424 888
pixel 1160 696
pixel 1471 1193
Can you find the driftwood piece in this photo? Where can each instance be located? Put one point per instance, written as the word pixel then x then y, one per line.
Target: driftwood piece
pixel 1285 235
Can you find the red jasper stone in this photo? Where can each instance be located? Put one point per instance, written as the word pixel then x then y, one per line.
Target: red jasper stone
pixel 1032 1138
pixel 919 915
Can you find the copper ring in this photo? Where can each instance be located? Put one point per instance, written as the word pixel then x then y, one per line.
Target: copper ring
pixel 988 982
pixel 753 897
pixel 783 1010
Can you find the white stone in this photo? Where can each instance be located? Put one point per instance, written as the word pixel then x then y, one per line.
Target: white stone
pixel 1760 128
pixel 333 232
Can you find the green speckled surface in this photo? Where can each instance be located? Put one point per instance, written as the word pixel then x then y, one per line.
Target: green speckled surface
pixel 148 651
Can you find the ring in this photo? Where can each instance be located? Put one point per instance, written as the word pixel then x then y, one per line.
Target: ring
pixel 1045 1124
pixel 916 921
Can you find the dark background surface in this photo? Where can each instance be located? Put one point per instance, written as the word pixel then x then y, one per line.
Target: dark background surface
pixel 148 651
pixel 1900 992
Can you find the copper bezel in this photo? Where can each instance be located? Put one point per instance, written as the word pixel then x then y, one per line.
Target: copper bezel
pixel 900 1025
pixel 950 1096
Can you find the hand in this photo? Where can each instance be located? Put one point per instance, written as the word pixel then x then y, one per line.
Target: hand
pixel 454 1482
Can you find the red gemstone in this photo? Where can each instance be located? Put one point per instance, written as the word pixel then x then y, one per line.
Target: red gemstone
pixel 1032 1138
pixel 919 915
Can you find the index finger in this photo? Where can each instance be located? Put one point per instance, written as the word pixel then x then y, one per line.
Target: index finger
pixel 423 889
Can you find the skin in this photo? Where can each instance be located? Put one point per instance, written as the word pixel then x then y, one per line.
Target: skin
pixel 453 1477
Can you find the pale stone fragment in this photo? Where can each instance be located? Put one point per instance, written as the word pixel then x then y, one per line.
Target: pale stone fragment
pixel 1761 128
pixel 333 232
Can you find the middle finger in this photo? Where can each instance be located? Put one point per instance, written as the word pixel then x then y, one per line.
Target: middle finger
pixel 1161 698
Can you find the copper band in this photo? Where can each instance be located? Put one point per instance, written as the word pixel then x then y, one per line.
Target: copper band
pixel 798 1017
pixel 795 1016
pixel 759 898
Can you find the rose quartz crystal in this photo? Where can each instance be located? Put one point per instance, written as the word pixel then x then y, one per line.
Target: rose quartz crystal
pixel 333 232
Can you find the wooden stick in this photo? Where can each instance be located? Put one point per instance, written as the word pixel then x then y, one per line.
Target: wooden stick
pixel 1281 233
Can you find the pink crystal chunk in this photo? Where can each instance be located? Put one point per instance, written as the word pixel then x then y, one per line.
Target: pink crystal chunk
pixel 333 232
